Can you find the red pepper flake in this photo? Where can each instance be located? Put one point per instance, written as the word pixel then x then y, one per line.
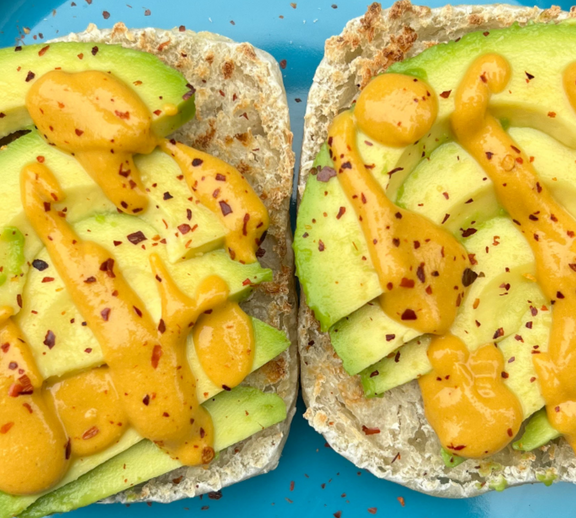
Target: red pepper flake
pixel 49 339
pixel 90 433
pixel 94 50
pixel 363 198
pixel 409 314
pixel 292 485
pixel 80 56
pixel 446 216
pixel 48 279
pixel 552 115
pixel 225 208
pixel 184 228
pixel 136 237
pixel 6 428
pixel 468 277
pixel 321 246
pixel 147 12
pixel 456 448
pixel 12 366
pixel 197 162
pixel 182 28
pixel 468 232
pixel 47 206
pixel 445 94
pixel 162 326
pixel 5 347
pixel 157 112
pixel 395 170
pixel 105 14
pixel 397 357
pixel 337 514
pixel 325 174
pixel 43 50
pixel 220 178
pixel 245 224
pixel 505 375
pixel 395 242
pixel 105 314
pixel 122 115
pixel 498 333
pixel 214 495
pixel 137 311
pixel 401 500
pixel 30 76
pixel 245 282
pixel 283 64
pixel 341 212
pixel 557 409
pixel 88 350
pixel 146 400
pixel 108 267
pixel 156 355
pixel 28 407
pixel 559 295
pixel 529 325
pixel 420 273
pixel 374 510
pixel 26 385
pixel 406 283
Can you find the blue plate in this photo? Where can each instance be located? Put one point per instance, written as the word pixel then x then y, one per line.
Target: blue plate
pixel 324 483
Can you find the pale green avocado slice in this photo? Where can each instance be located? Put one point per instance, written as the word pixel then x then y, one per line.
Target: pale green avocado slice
pixel 154 82
pixel 329 251
pixel 269 343
pixel 538 432
pixel 237 415
pixel 56 311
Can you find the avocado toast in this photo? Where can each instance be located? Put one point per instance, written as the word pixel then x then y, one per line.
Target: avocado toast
pixel 235 122
pixel 482 354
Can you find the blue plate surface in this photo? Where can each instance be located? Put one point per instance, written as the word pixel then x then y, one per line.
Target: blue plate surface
pixel 324 484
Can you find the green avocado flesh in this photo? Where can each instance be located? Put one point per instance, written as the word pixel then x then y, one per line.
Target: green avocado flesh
pixel 438 179
pixel 236 415
pixel 154 82
pixel 538 432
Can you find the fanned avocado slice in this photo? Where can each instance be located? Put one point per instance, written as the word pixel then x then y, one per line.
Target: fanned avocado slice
pixel 159 86
pixel 538 432
pixel 330 247
pixel 236 415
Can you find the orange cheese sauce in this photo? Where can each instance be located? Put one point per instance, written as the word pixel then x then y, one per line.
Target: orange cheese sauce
pixel 146 383
pixel 98 119
pixel 222 189
pixel 547 226
pixel 224 341
pixel 419 264
pixel 91 411
pixel 465 399
pixel 34 452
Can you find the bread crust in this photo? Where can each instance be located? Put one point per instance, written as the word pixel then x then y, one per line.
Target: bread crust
pixel 406 450
pixel 242 118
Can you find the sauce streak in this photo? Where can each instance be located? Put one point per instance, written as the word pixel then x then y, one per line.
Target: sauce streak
pixel 98 119
pixel 419 264
pixel 547 226
pixel 33 443
pixel 222 189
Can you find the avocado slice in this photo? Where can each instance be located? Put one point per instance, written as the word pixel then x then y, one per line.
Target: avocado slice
pixel 461 194
pixel 12 266
pixel 407 363
pixel 366 336
pixel 236 415
pixel 329 251
pixel 55 310
pixel 538 432
pixel 159 86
